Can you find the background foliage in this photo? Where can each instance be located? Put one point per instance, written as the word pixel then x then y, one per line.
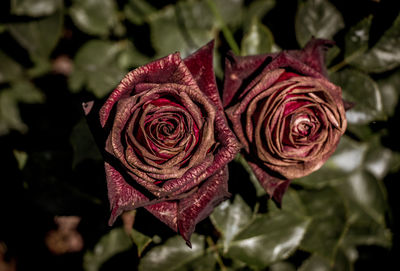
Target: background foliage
pixel 55 54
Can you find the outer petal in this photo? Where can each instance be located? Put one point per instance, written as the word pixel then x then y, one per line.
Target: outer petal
pixel 199 205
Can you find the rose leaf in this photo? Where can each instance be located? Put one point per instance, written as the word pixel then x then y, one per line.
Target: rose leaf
pixel 34 8
pixel 316 262
pixel 282 266
pixel 329 221
pixel 39 37
pixel 291 202
pixel 231 218
pixel 384 55
pixel 318 19
pixel 348 157
pixel 268 239
pixel 114 242
pixel 258 40
pixel 174 254
pixel 260 191
pixel 94 17
pixel 100 74
pixel 141 241
pixel 9 69
pixel 138 11
pixel 364 92
pixel 390 92
pixel 257 9
pixel 356 39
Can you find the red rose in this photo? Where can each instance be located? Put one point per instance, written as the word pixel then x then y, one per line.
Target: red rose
pixel 168 142
pixel 285 112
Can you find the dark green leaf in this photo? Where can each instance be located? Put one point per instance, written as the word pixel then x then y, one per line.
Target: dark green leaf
pixel 130 57
pixel 329 221
pixel 35 8
pixel 260 191
pixel 348 157
pixel 390 92
pixel 315 262
pixel 9 69
pixel 364 92
pixel 230 219
pixel 291 203
pixel 379 160
pixel 317 18
pixel 269 239
pixel 230 11
pixel 138 11
pixel 39 36
pixel 116 241
pixel 356 40
pixel 282 266
pixel 332 54
pixel 173 255
pixel 141 241
pixel 384 55
pixel 83 144
pixel 258 40
pixel 258 9
pixel 101 74
pixel 94 17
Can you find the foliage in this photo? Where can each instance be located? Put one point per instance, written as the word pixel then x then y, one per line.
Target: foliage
pixel 56 54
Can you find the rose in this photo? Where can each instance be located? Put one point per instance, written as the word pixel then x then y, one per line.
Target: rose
pixel 168 142
pixel 285 112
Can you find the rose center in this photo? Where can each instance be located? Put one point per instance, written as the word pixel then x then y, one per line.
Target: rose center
pixel 302 126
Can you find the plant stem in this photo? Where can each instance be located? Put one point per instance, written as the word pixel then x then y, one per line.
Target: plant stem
pixel 214 248
pixel 225 30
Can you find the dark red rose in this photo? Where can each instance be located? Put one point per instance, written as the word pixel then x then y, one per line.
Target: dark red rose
pixel 285 112
pixel 168 142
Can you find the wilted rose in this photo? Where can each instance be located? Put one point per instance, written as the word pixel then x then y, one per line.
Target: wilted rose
pixel 168 144
pixel 285 112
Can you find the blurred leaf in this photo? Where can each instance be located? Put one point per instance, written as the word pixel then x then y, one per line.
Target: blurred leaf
pixel 141 241
pixel 384 55
pixel 317 18
pixel 9 69
pixel 21 91
pixel 138 11
pixel 130 57
pixel 269 239
pixel 291 202
pixel 282 266
pixel 101 74
pixel 315 262
pixel 95 17
pixel 364 92
pixel 329 222
pixel 183 28
pixel 231 12
pixel 114 242
pixel 174 254
pixel 379 160
pixel 230 219
pixel 390 92
pixel 260 191
pixel 21 158
pixel 356 39
pixel 332 53
pixel 348 157
pixel 258 9
pixel 39 36
pixel 258 40
pixel 83 143
pixel 34 8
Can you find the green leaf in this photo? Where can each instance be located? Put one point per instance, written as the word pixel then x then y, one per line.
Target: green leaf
pixel 231 12
pixel 269 239
pixel 21 157
pixel 20 91
pixel 315 262
pixel 364 92
pixel 257 9
pixel 291 202
pixel 130 57
pixel 384 55
pixel 114 242
pixel 356 39
pixel 348 157
pixel 260 191
pixel 317 18
pixel 141 241
pixel 138 11
pixel 39 37
pixel 9 69
pixel 174 254
pixel 390 92
pixel 100 74
pixel 34 8
pixel 282 266
pixel 258 40
pixel 83 143
pixel 183 27
pixel 230 219
pixel 379 160
pixel 95 17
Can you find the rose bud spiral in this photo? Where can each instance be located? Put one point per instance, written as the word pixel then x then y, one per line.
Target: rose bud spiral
pixel 287 115
pixel 168 143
